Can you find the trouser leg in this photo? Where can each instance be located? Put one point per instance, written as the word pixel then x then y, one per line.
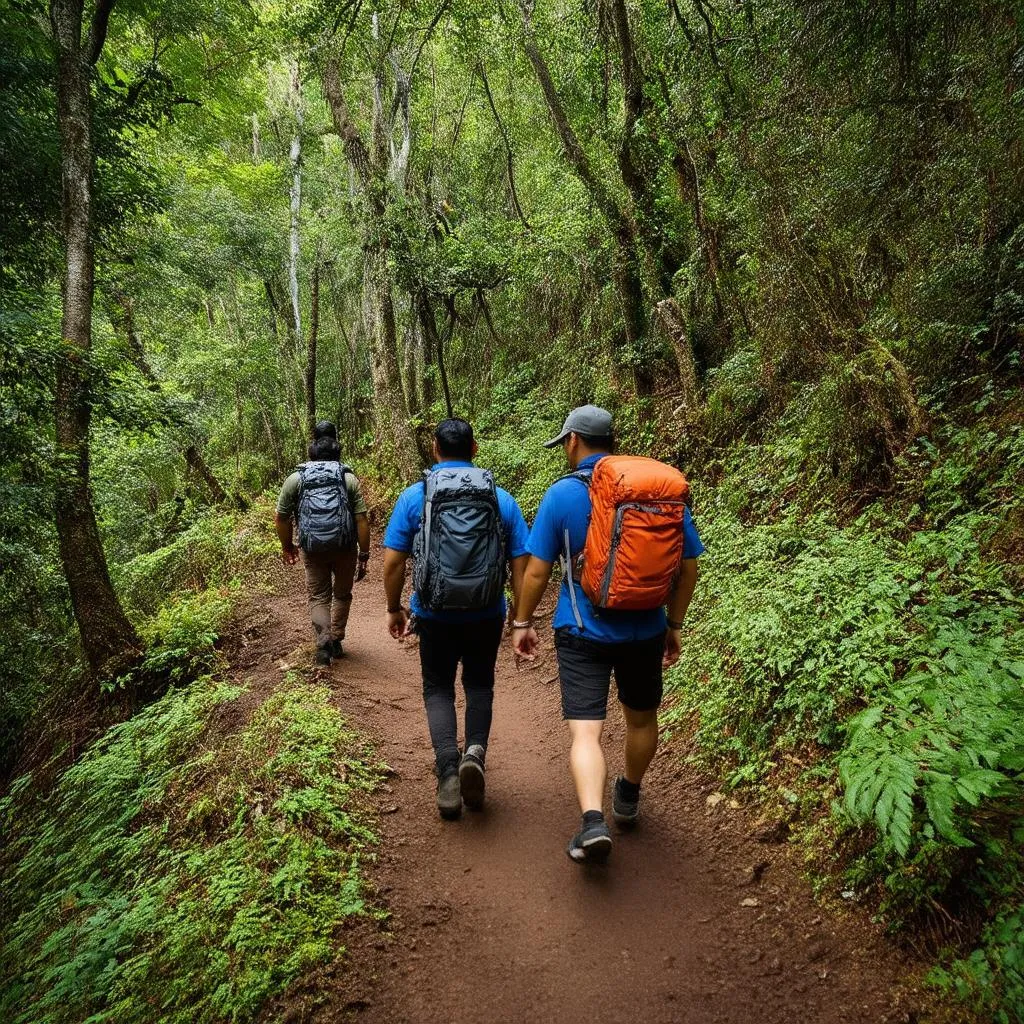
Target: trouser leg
pixel 439 660
pixel 318 589
pixel 344 574
pixel 479 655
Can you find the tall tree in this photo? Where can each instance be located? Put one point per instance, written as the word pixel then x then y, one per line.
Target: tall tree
pixel 619 220
pixel 377 165
pixel 108 638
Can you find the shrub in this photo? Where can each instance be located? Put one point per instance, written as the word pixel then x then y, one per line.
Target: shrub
pixel 183 875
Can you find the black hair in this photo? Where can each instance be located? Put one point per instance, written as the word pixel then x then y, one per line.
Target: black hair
pixel 604 443
pixel 454 439
pixel 324 449
pixel 325 428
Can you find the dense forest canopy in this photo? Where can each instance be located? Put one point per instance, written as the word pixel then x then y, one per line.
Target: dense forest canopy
pixel 783 242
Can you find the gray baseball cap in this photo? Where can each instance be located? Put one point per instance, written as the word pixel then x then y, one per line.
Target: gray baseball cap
pixel 591 420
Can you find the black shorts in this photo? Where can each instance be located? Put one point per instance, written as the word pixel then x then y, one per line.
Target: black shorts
pixel 585 669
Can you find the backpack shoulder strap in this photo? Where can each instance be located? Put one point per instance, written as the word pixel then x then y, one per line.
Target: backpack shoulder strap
pixel 583 475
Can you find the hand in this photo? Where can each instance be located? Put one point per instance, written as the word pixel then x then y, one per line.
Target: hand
pixel 361 568
pixel 398 623
pixel 673 648
pixel 525 642
pixel 290 555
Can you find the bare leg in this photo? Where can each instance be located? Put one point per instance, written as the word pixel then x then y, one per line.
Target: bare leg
pixel 641 741
pixel 586 760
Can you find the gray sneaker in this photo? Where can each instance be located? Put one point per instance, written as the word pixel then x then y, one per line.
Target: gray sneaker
pixel 592 843
pixel 624 811
pixel 449 796
pixel 471 776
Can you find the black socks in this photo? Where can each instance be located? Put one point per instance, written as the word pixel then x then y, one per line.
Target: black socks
pixel 592 817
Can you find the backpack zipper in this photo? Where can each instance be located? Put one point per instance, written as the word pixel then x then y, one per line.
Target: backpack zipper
pixel 620 512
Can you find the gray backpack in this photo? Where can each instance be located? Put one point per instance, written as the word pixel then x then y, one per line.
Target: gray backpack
pixel 325 517
pixel 459 550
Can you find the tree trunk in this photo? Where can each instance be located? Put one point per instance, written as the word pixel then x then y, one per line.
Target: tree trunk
pixel 662 253
pixel 109 640
pixel 347 355
pixel 672 323
pixel 295 197
pixel 432 342
pixel 314 330
pixel 622 227
pixel 410 380
pixel 378 305
pixel 379 314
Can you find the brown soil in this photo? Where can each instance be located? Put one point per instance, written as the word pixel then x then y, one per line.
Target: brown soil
pixel 691 920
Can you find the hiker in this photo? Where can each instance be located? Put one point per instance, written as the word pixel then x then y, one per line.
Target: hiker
pixel 460 529
pixel 621 528
pixel 324 500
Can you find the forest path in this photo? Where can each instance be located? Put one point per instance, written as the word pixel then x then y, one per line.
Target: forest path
pixel 691 920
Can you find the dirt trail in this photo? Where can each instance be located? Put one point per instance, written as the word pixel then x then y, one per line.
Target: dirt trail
pixel 491 921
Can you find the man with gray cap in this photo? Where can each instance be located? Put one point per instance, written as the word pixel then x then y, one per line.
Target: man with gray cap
pixel 628 550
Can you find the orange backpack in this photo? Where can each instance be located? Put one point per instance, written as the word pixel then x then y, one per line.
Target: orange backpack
pixel 634 541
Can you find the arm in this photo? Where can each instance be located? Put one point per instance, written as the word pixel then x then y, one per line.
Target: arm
pixel 363 534
pixel 518 566
pixel 678 603
pixel 283 526
pixel 394 581
pixel 534 583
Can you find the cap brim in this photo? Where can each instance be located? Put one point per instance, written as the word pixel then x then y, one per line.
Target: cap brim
pixel 556 441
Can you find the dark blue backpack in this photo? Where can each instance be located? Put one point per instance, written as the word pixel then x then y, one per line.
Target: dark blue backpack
pixel 325 519
pixel 459 550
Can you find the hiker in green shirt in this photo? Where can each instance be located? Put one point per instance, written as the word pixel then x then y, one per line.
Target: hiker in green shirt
pixel 322 499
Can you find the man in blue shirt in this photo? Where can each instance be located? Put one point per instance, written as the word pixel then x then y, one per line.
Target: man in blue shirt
pixel 448 637
pixel 591 643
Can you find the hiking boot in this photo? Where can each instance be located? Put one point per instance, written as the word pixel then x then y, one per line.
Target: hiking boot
pixel 592 843
pixel 625 811
pixel 323 655
pixel 337 650
pixel 449 795
pixel 471 776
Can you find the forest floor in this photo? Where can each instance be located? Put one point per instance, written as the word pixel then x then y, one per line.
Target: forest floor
pixel 695 918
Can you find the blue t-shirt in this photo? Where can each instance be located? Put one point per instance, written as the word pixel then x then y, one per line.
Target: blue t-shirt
pixel 566 505
pixel 405 524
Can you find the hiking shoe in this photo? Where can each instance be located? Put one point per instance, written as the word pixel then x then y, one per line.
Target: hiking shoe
pixel 449 796
pixel 323 655
pixel 592 843
pixel 624 811
pixel 337 650
pixel 471 776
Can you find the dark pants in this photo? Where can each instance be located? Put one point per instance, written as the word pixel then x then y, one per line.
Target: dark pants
pixel 442 646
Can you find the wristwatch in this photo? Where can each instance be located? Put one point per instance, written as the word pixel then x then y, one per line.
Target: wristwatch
pixel 364 556
pixel 673 624
pixel 516 624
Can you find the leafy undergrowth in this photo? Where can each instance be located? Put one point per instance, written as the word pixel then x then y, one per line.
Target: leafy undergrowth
pixel 866 676
pixel 180 875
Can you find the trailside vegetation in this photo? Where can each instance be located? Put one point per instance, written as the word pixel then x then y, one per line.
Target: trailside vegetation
pixel 782 242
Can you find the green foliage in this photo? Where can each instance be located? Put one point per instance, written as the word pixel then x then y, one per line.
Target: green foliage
pixel 882 661
pixel 991 980
pixel 179 871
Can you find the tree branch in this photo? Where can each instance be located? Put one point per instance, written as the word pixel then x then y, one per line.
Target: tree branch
pixel 508 149
pixel 98 29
